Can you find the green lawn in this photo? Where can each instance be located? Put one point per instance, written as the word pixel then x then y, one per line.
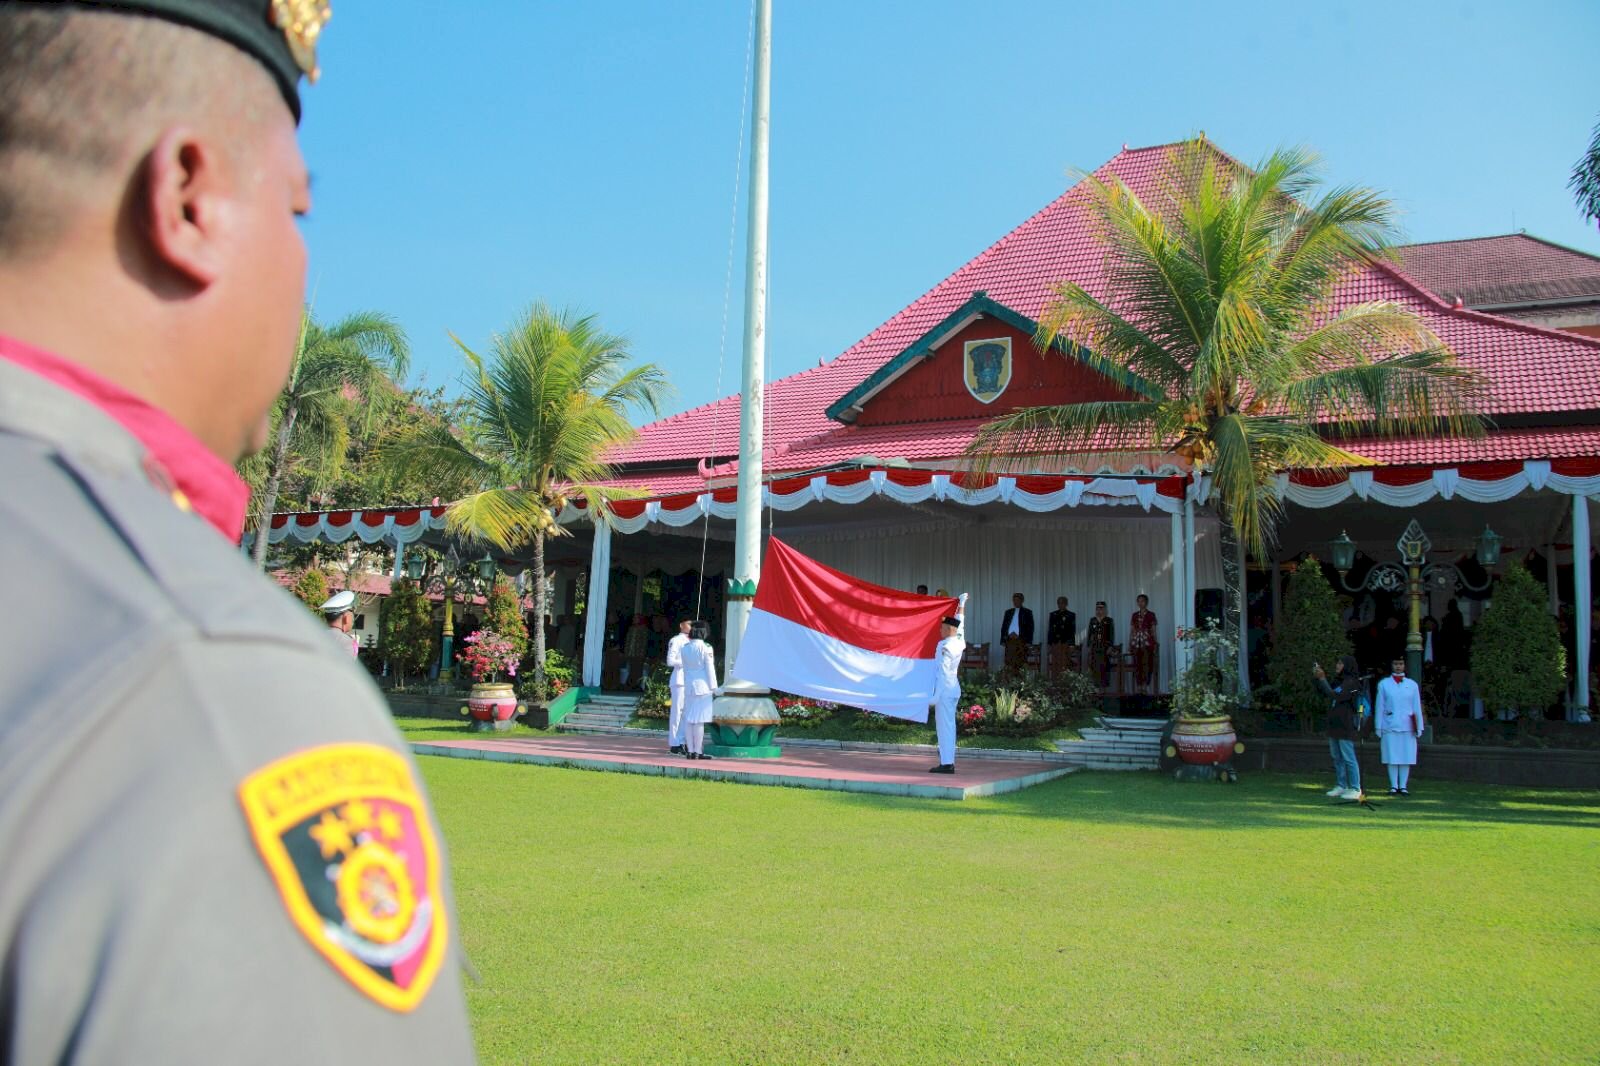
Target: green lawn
pixel 1102 917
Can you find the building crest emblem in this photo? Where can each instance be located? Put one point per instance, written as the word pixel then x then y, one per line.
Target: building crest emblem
pixel 986 367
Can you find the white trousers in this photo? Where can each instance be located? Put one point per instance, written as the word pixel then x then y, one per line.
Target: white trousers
pixel 944 723
pixel 695 737
pixel 675 716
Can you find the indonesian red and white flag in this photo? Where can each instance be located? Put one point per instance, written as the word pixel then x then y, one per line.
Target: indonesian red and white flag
pixel 814 631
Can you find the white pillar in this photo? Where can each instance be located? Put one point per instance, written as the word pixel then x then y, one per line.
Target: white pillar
pixel 399 561
pixel 1179 584
pixel 594 610
pixel 747 524
pixel 1580 597
pixel 1190 574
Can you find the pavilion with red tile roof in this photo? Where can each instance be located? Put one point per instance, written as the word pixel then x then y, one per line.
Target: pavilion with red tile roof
pixel 863 455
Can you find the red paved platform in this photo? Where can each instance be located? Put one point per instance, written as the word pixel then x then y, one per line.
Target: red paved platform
pixel 884 773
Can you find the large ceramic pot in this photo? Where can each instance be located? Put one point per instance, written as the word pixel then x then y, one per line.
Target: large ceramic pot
pixel 492 705
pixel 1205 741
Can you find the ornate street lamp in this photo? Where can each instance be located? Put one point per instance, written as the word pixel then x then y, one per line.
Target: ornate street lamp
pixel 1488 548
pixel 415 567
pixel 486 569
pixel 1343 552
pixel 1411 573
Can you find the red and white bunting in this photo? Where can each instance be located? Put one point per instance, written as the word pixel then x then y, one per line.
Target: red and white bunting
pixel 1393 486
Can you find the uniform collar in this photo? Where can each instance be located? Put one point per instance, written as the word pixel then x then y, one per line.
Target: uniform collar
pixel 199 478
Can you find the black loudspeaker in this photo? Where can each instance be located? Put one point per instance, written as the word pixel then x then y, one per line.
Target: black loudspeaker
pixel 1208 607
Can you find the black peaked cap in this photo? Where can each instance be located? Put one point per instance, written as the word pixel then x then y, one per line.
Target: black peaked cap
pixel 247 25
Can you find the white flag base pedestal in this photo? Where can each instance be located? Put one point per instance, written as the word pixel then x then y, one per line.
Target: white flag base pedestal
pixel 744 723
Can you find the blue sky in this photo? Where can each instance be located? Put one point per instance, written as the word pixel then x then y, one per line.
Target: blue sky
pixel 471 158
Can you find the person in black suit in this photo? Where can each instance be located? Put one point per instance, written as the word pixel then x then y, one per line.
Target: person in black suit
pixel 1016 633
pixel 1061 634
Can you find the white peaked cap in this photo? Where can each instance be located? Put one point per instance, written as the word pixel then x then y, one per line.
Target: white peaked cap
pixel 340 602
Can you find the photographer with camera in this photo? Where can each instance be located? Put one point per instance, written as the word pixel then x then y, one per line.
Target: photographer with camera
pixel 1344 724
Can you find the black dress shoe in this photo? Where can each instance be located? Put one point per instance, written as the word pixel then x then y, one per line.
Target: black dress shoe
pixel 944 768
pixel 703 755
pixel 1404 792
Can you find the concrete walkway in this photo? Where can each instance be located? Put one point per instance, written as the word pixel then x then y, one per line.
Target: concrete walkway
pixel 882 773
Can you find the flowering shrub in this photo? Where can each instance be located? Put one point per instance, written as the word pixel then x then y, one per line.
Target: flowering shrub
pixel 1209 685
pixel 486 655
pixel 656 701
pixel 802 712
pixel 971 720
pixel 1019 711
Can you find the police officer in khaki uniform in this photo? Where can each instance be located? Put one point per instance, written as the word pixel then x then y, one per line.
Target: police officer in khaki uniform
pixel 214 847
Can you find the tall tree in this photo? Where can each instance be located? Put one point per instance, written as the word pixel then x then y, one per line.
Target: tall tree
pixel 543 410
pixel 1216 318
pixel 1518 663
pixel 1310 632
pixel 349 367
pixel 1585 181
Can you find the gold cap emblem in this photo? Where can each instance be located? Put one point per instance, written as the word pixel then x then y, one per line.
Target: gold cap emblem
pixel 301 22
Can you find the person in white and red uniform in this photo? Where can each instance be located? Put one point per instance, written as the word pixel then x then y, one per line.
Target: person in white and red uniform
pixel 947 690
pixel 1398 718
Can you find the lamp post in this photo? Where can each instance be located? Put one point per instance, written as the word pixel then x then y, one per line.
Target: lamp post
pixel 1411 573
pixel 451 574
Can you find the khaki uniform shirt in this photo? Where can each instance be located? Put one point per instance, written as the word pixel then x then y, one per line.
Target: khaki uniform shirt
pixel 213 844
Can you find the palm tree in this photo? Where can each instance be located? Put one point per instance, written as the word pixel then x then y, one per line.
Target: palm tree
pixel 542 413
pixel 1585 180
pixel 355 362
pixel 1217 321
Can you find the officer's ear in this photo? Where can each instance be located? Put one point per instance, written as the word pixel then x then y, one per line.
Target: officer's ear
pixel 186 205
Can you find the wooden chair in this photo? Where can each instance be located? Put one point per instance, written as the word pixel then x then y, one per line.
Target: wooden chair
pixel 1117 675
pixel 1034 659
pixel 976 657
pixel 1073 656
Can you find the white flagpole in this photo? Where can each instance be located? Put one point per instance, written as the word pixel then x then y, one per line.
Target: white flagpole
pixel 747 522
pixel 751 703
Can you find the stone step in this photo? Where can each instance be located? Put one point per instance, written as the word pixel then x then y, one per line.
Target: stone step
pixel 1126 736
pixel 1107 736
pixel 1141 725
pixel 589 718
pixel 1142 751
pixel 1112 761
pixel 568 726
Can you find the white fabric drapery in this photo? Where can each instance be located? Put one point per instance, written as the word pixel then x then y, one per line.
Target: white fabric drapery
pixel 594 621
pixel 1085 559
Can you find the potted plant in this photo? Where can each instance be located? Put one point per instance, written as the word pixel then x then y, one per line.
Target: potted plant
pixel 492 703
pixel 1203 698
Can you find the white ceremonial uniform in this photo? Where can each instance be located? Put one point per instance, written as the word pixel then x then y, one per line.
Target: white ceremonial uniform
pixel 1398 720
pixel 675 688
pixel 946 694
pixel 346 642
pixel 699 681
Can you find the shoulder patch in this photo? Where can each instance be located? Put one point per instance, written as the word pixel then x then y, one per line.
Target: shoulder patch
pixel 346 837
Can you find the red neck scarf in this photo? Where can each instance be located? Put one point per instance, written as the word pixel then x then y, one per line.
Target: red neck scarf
pixel 203 480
